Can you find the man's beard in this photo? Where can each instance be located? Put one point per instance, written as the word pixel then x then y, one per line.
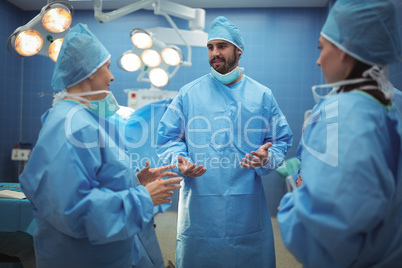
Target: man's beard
pixel 227 66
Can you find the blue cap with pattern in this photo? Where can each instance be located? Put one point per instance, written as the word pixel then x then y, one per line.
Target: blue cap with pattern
pixel 223 29
pixel 81 55
pixel 365 29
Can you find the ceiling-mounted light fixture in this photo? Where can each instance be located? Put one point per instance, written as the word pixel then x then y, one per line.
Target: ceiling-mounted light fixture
pixel 44 34
pixel 56 19
pixel 151 58
pixel 155 47
pixel 129 62
pixel 158 77
pixel 141 38
pixel 153 55
pixel 172 55
pixel 54 48
pixel 28 42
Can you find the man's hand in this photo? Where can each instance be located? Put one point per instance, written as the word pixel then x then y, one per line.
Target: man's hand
pixel 190 170
pixel 147 174
pixel 256 159
pixel 161 191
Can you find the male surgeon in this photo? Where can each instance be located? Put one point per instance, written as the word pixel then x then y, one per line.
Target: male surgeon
pixel 224 131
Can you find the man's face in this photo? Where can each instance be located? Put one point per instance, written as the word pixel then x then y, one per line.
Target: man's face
pixel 223 56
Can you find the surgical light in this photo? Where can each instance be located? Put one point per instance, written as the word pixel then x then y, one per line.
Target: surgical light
pixel 149 54
pixel 172 56
pixel 151 58
pixel 43 34
pixel 155 44
pixel 158 77
pixel 28 42
pixel 54 49
pixel 56 20
pixel 129 62
pixel 141 38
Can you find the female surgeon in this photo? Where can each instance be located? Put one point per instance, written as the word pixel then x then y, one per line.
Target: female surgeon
pixel 85 198
pixel 348 211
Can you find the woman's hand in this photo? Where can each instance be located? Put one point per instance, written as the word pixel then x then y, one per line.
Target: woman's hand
pixel 148 175
pixel 161 191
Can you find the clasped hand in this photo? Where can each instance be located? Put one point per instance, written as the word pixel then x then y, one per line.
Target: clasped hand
pixel 160 190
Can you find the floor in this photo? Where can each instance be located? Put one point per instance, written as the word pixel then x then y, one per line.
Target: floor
pixel 166 232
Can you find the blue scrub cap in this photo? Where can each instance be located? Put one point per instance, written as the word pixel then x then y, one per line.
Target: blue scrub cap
pixel 81 54
pixel 223 29
pixel 365 29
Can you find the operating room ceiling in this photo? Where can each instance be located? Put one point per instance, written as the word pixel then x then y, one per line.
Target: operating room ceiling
pixel 114 4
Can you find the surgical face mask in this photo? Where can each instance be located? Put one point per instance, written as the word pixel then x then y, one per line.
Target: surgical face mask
pixel 333 88
pixel 376 73
pixel 104 108
pixel 227 78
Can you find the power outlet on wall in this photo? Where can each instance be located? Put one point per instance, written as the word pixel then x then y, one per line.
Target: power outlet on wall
pixel 20 154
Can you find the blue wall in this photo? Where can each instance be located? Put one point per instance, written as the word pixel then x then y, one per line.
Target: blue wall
pixel 280 52
pixel 10 91
pixel 395 71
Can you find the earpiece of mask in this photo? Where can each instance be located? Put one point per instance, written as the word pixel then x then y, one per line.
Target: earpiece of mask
pixel 227 78
pixel 380 75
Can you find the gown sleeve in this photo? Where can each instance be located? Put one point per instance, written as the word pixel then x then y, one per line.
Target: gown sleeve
pixel 171 141
pixel 280 135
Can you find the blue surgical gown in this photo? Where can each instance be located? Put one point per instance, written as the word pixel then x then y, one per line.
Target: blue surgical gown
pixel 223 217
pixel 147 253
pixel 397 100
pixel 348 211
pixel 85 197
pixel 140 132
